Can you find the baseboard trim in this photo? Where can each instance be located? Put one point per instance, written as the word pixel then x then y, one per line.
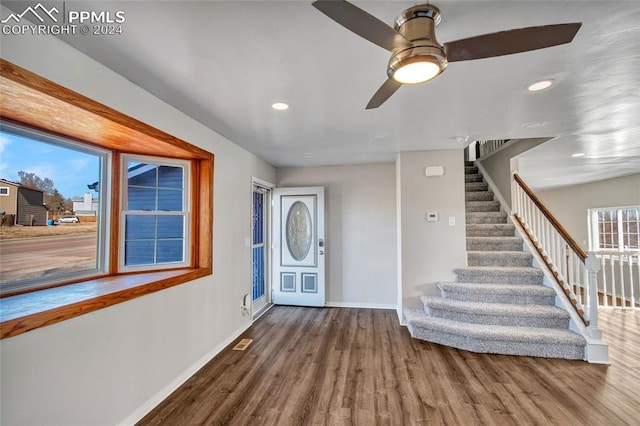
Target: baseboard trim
pixel 359 305
pixel 161 395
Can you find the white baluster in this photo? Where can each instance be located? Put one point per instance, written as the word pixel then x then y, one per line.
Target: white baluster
pixel 593 266
pixel 604 281
pixel 621 272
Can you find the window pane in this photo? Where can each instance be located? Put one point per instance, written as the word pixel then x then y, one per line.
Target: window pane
pixel 170 227
pixel 141 198
pixel 140 227
pixel 158 190
pixel 139 252
pixel 618 229
pixel 51 208
pixel 170 177
pixel 170 251
pixel 169 200
pixel 141 174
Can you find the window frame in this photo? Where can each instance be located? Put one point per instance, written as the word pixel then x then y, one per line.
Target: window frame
pixel 5 194
pixel 186 212
pixel 40 104
pixel 620 233
pixel 102 260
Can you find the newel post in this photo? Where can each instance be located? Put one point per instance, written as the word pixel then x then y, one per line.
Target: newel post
pixel 593 266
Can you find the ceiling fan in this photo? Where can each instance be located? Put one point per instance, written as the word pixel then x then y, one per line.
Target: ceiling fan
pixel 416 54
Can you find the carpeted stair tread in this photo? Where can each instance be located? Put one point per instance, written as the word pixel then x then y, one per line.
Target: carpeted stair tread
pixel 478 196
pixel 494 243
pixel 496 313
pixel 533 294
pixel 476 186
pixel 508 340
pixel 499 258
pixel 486 217
pixel 482 206
pixel 499 275
pixel 471 170
pixel 490 230
pixel 473 177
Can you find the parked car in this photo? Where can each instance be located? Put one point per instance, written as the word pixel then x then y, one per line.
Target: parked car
pixel 68 219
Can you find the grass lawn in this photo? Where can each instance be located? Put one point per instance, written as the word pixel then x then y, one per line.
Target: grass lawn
pixel 15 232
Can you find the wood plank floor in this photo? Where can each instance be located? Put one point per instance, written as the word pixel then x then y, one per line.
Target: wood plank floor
pixel 334 366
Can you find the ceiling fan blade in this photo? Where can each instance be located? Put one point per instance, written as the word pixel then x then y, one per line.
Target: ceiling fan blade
pixel 362 23
pixel 509 42
pixel 385 91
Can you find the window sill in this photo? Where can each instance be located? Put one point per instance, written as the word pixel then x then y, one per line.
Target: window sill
pixel 26 312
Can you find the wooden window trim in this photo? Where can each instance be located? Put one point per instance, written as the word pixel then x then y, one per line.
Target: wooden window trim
pixel 36 102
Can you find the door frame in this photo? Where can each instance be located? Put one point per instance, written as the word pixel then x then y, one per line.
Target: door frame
pixel 268 247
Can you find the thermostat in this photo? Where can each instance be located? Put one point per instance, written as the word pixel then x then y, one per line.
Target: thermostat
pixel 432 216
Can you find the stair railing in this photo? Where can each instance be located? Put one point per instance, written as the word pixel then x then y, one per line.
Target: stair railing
pixel 486 147
pixel 575 270
pixel 619 277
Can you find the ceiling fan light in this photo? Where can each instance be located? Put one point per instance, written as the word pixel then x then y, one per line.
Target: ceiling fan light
pixel 417 64
pixel 416 72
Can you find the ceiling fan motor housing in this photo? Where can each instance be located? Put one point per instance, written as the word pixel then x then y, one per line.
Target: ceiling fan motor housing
pixel 417 24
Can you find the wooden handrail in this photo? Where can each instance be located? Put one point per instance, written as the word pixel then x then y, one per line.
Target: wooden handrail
pixel 545 211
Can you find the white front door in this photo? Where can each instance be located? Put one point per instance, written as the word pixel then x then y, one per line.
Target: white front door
pixel 298 246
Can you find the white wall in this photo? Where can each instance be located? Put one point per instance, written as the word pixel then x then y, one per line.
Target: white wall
pixel 498 167
pixel 430 250
pixel 360 231
pixel 112 365
pixel 570 204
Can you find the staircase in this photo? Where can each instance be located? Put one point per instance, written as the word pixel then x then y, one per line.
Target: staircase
pixel 498 303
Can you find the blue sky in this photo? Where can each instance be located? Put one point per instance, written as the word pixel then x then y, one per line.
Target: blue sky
pixel 69 170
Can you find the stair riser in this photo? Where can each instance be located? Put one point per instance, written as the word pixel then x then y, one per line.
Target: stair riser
pixel 470 170
pixel 482 206
pixel 486 218
pixel 482 244
pixel 513 321
pixel 476 186
pixel 478 196
pixel 499 259
pixel 498 346
pixel 473 178
pixel 498 277
pixel 506 231
pixel 498 298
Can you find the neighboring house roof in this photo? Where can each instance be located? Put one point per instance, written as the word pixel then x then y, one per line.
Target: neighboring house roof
pixel 19 185
pixel 133 171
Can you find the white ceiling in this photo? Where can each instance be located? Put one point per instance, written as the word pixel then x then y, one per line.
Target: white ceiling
pixel 225 63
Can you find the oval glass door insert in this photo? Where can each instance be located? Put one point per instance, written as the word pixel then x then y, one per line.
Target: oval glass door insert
pixel 299 233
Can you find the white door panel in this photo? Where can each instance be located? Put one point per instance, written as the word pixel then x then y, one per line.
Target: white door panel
pixel 298 270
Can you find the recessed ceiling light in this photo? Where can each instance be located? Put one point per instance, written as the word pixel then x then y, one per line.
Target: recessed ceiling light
pixel 578 154
pixel 540 85
pixel 280 106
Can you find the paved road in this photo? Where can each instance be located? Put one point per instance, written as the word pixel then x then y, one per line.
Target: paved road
pixel 34 257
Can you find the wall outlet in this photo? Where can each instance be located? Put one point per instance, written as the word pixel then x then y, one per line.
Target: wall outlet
pixel 452 221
